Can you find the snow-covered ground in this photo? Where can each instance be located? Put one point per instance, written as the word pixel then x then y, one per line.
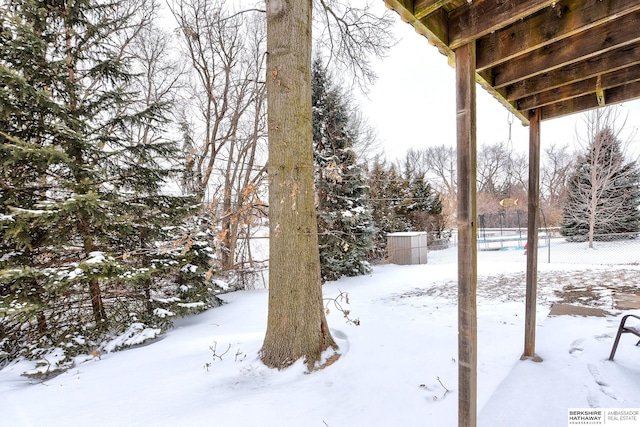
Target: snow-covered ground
pixel 398 368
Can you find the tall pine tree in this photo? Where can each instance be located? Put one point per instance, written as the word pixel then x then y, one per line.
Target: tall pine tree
pixel 345 225
pixel 402 203
pixel 89 242
pixel 425 208
pixel 603 193
pixel 389 196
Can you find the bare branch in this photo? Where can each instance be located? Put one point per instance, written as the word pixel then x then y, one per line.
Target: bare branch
pixel 348 37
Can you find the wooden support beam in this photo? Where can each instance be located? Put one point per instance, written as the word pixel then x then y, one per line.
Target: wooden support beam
pixel 422 8
pixel 564 19
pixel 581 46
pixel 467 232
pixel 583 87
pixel 437 24
pixel 533 207
pixel 401 6
pixel 480 17
pixel 611 61
pixel 589 102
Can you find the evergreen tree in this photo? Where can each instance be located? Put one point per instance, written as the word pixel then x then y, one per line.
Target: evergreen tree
pixel 90 244
pixel 425 209
pixel 389 200
pixel 345 225
pixel 404 203
pixel 603 193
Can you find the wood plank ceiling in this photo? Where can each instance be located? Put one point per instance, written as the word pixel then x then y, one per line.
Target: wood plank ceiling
pixel 563 56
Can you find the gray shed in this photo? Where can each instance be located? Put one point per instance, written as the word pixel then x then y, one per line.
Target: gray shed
pixel 407 247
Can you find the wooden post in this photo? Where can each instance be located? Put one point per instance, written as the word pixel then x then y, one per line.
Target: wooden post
pixel 532 236
pixel 465 57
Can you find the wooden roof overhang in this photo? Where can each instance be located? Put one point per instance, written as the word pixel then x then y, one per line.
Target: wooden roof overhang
pixel 563 56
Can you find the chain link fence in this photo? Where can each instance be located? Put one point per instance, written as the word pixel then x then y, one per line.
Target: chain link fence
pixel 604 249
pixel 508 231
pixel 608 249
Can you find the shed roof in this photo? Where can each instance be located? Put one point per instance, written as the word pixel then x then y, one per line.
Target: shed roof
pixel 562 56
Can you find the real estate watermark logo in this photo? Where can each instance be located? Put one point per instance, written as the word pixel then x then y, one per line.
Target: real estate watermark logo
pixel 610 417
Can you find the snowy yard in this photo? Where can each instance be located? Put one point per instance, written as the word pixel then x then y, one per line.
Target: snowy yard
pixel 398 368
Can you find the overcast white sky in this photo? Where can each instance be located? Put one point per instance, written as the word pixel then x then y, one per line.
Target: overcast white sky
pixel 413 104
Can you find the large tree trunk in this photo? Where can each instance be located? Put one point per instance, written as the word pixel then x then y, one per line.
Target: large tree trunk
pixel 296 328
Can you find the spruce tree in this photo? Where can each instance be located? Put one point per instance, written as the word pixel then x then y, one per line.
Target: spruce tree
pixel 90 242
pixel 603 193
pixel 389 200
pixel 403 203
pixel 425 208
pixel 345 225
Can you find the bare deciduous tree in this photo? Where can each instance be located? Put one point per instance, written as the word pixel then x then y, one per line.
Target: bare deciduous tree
pixel 553 182
pixel 156 79
pixel 442 168
pixel 492 169
pixel 438 165
pixel 349 36
pixel 224 119
pixel 366 138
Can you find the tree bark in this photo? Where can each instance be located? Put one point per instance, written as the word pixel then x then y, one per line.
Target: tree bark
pixel 99 312
pixel 296 326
